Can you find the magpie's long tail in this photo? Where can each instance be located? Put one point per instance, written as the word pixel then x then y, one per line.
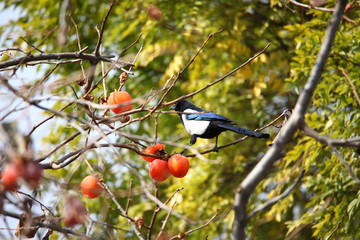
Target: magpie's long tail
pixel 243 131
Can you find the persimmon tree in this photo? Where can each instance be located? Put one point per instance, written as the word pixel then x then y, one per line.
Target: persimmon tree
pixel 107 73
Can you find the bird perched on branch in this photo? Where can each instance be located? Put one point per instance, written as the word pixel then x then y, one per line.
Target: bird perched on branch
pixel 204 124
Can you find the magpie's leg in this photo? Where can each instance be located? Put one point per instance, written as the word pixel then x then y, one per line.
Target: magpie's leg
pixel 192 141
pixel 183 150
pixel 216 147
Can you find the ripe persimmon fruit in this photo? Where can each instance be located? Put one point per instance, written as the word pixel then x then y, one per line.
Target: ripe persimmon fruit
pixel 12 174
pixel 120 97
pixel 158 170
pixel 178 165
pixel 152 150
pixel 91 187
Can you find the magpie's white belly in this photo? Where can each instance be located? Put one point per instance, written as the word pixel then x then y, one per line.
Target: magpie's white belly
pixel 195 126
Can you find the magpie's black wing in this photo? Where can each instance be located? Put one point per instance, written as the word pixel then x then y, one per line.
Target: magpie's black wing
pixel 208 116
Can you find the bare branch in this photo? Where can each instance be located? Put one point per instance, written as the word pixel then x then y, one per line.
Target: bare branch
pixel 12 49
pixel 47 225
pixel 114 63
pixel 79 45
pixel 349 142
pixel 129 197
pixel 31 45
pixel 274 200
pixel 181 236
pixel 219 79
pixel 352 86
pixel 124 214
pixel 182 70
pixel 347 167
pixel 57 56
pixel 103 28
pixel 162 229
pixel 156 210
pixel 333 232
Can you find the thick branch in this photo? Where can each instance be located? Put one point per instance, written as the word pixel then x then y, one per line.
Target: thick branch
pixel 349 142
pixel 247 187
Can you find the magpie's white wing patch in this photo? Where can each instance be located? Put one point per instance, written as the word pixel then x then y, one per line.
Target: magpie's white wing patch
pixel 197 127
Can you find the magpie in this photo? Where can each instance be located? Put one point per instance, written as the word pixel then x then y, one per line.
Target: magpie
pixel 204 124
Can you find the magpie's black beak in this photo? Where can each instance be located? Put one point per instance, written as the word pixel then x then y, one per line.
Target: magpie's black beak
pixel 172 107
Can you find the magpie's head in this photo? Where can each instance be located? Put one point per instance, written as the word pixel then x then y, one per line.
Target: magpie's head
pixel 182 105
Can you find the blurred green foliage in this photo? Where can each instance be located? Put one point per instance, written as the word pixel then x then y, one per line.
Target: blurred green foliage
pixel 253 96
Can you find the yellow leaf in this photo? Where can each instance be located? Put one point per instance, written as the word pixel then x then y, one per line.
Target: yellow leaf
pixel 257 91
pixel 278 216
pixel 263 58
pixel 174 66
pixel 261 85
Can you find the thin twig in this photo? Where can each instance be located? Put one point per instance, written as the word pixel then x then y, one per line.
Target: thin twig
pixel 136 57
pixel 333 231
pixel 129 197
pixel 114 63
pixel 352 86
pixel 79 45
pixel 285 5
pixel 103 28
pixel 195 229
pixel 162 229
pixel 43 79
pixel 186 66
pixel 34 199
pixel 346 166
pixel 130 220
pixel 12 49
pixel 219 79
pixel 31 45
pixel 274 200
pixel 156 210
pixel 129 71
pixel 156 126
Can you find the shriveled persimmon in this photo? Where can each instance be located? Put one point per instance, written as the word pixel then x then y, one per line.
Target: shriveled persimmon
pixel 152 150
pixel 74 211
pixel 33 174
pixel 120 97
pixel 91 187
pixel 158 170
pixel 178 165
